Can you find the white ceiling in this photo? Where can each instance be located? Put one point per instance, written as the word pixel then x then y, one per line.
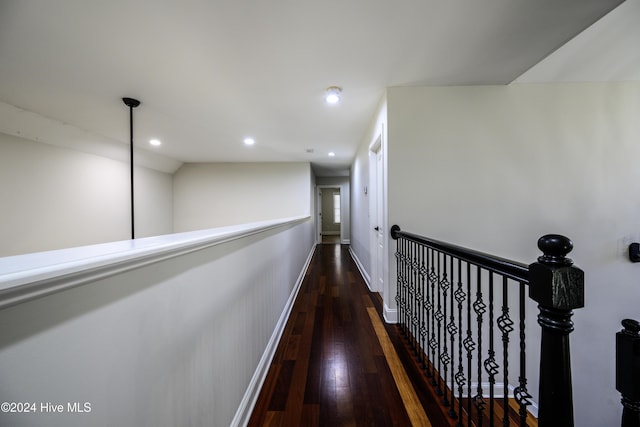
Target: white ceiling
pixel 210 72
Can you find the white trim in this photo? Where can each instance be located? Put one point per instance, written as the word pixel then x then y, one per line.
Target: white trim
pixel 390 314
pixel 498 390
pixel 26 277
pixel 259 376
pixel 363 272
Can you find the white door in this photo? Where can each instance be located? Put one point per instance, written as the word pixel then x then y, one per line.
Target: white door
pixel 376 216
pixel 379 224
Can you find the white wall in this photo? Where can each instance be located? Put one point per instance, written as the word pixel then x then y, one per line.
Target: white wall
pixel 494 168
pixel 210 195
pixel 54 197
pixel 174 343
pixel 362 233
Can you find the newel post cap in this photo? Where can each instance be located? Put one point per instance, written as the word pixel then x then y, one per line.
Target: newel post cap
pixel 631 327
pixel 554 282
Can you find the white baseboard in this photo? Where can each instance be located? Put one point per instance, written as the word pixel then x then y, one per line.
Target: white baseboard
pixel 363 272
pixel 498 390
pixel 390 314
pixel 255 385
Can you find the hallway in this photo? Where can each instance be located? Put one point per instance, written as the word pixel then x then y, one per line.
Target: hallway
pixel 335 364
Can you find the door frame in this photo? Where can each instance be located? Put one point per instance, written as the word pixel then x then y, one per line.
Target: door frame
pixel 318 218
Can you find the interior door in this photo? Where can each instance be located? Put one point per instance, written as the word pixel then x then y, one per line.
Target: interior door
pixel 379 275
pixel 376 216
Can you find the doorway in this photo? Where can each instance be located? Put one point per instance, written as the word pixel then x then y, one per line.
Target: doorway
pixel 330 215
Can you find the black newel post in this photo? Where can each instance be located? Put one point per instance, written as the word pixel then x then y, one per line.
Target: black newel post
pixel 628 371
pixel 558 287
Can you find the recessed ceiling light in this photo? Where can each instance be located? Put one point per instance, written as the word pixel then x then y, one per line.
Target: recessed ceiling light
pixel 249 141
pixel 331 154
pixel 333 95
pixel 155 142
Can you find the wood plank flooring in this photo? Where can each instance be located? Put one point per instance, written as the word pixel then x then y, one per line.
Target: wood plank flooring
pixel 330 368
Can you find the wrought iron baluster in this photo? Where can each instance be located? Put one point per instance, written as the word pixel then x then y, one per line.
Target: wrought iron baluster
pixel 400 294
pixel 452 330
pixel 490 363
pixel 521 393
pixel 427 313
pixel 469 346
pixel 415 320
pixel 433 278
pixel 439 317
pixel 411 296
pixel 421 302
pixel 444 354
pixel 480 308
pixel 405 297
pixel 505 324
pixel 398 297
pixel 459 377
pixel 405 290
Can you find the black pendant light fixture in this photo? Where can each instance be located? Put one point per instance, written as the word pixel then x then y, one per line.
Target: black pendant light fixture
pixel 131 103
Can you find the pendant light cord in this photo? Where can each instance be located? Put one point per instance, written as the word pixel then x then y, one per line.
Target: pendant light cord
pixel 131 103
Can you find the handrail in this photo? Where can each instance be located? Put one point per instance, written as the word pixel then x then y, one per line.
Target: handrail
pixel 512 269
pixel 30 276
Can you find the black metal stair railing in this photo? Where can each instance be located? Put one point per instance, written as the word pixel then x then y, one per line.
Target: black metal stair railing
pixel 460 309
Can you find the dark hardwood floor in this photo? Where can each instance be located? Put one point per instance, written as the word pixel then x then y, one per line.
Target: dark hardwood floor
pixel 336 364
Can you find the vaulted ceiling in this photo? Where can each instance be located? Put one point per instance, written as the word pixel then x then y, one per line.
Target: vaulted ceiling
pixel 211 72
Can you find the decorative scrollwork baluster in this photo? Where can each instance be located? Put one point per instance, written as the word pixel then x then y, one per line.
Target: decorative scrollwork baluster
pixel 398 297
pixel 521 393
pixel 439 318
pixel 490 364
pixel 433 278
pixel 433 342
pixel 423 309
pixel 444 354
pixel 412 320
pixel 460 378
pixel 480 308
pixel 469 345
pixel 505 324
